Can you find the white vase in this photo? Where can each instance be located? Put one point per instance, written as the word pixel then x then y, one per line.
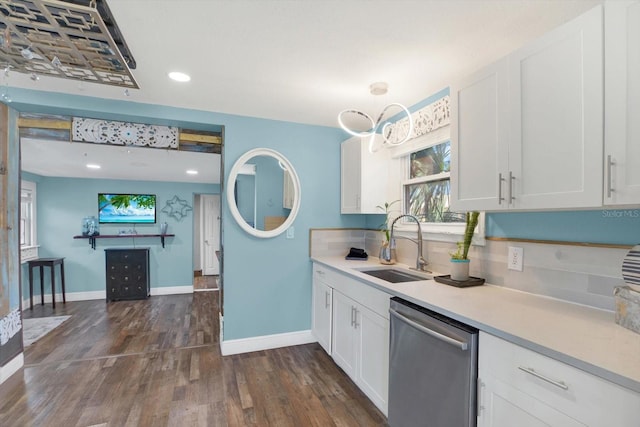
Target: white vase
pixel 460 269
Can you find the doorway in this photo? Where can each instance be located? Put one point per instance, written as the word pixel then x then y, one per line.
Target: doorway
pixel 206 242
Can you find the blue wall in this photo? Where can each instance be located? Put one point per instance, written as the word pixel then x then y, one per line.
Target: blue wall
pixel 63 202
pixel 267 282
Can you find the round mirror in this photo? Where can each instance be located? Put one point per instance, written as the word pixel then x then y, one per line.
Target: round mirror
pixel 263 192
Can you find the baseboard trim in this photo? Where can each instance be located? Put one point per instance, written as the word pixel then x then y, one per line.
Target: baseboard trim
pixel 266 342
pixel 70 296
pixel 93 295
pixel 11 367
pixel 172 290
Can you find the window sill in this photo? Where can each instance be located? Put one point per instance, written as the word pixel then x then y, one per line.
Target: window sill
pixel 28 253
pixel 439 235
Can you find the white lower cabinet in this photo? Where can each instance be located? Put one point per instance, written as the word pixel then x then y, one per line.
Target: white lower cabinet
pixel 361 347
pixel 344 340
pixel 358 327
pixel 322 309
pixel 519 387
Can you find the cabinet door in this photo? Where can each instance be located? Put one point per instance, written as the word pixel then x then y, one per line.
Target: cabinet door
pixel 504 406
pixel 373 360
pixel 344 343
pixel 556 107
pixel 322 313
pixel 479 132
pixel 622 103
pixel 350 173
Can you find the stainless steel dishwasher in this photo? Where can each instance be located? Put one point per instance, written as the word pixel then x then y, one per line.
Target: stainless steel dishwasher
pixel 433 369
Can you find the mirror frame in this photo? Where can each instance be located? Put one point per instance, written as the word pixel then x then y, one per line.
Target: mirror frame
pixel 233 176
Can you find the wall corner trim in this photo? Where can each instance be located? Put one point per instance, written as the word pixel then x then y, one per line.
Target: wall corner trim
pixel 266 342
pixel 11 367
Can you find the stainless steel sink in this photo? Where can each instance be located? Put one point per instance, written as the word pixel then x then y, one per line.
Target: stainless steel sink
pixel 394 275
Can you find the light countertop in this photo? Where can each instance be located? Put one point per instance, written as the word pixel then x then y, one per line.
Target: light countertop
pixel 584 337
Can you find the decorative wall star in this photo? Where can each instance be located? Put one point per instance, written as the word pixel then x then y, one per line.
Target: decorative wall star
pixel 177 208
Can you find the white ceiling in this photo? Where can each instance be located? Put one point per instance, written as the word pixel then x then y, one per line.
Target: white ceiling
pixel 306 60
pixel 57 158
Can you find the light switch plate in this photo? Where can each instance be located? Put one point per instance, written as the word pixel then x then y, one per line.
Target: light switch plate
pixel 514 259
pixel 290 232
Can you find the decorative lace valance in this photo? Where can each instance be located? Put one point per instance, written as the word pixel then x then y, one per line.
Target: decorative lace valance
pixel 425 120
pixel 123 133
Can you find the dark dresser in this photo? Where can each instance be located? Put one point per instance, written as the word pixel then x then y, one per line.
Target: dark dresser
pixel 127 273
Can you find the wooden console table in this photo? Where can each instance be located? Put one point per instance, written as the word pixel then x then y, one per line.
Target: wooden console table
pixel 92 239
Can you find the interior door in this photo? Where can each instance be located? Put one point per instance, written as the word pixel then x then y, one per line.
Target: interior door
pixel 210 233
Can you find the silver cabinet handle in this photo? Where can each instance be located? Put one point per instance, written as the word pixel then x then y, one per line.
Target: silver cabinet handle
pixel 320 272
pixel 532 371
pixel 610 164
pixel 479 397
pixel 327 301
pixel 353 310
pixel 500 179
pixel 460 344
pixel 511 179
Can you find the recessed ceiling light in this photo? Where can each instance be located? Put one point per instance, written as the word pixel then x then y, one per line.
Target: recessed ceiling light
pixel 179 77
pixel 192 172
pixel 93 166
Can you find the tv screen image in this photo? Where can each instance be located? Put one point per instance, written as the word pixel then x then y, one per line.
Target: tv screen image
pixel 126 208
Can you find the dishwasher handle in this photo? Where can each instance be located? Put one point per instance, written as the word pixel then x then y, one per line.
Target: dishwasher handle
pixel 460 344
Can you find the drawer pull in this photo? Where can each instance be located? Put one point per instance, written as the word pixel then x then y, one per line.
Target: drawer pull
pixel 531 371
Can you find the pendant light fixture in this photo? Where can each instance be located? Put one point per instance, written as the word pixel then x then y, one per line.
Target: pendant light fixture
pixel 376 89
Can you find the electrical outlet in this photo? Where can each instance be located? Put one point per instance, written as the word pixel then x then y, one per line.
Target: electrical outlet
pixel 514 259
pixel 290 232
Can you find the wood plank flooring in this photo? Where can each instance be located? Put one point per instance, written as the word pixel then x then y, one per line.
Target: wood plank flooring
pixel 157 362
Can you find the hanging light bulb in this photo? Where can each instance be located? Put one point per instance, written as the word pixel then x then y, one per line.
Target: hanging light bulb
pixel 27 53
pixel 378 88
pixel 56 62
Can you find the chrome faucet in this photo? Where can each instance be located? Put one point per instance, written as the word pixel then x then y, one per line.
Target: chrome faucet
pixel 421 263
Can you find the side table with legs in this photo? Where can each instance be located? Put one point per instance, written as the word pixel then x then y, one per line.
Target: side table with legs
pixel 51 263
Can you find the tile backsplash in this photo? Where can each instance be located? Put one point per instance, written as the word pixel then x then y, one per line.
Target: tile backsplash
pixel 580 274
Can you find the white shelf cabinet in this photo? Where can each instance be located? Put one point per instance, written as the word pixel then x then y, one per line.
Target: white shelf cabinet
pixel 622 103
pixel 519 387
pixel 322 311
pixel 527 130
pixel 354 327
pixel 363 177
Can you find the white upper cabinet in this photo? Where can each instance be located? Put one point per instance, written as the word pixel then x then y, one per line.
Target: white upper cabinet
pixel 527 130
pixel 622 103
pixel 364 177
pixel 479 139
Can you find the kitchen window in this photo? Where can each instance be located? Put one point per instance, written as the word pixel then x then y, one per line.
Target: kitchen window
pixel 426 193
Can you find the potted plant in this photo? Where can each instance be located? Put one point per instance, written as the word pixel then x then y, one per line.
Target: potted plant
pixel 459 258
pixel 385 248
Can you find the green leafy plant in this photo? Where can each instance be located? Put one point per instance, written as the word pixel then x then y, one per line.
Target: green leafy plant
pixel 463 247
pixel 384 227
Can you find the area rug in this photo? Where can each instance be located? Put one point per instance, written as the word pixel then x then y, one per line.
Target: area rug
pixel 36 328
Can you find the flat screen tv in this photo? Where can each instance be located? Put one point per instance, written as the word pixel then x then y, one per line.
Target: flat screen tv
pixel 126 208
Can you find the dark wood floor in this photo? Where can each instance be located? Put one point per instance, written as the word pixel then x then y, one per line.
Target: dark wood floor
pixel 157 362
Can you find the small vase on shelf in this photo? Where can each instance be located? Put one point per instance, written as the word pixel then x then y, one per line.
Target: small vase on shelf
pixel 163 228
